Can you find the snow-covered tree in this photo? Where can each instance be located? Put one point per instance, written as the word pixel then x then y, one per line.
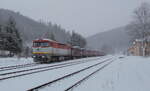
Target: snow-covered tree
pixel 140 26
pixel 50 35
pixel 77 40
pixel 14 42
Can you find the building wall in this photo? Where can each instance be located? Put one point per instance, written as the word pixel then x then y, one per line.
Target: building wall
pixel 137 49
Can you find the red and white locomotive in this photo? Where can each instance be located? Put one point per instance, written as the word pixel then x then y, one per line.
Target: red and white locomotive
pixel 46 50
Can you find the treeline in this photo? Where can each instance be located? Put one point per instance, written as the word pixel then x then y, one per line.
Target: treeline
pixel 77 40
pixel 13 38
pixel 61 35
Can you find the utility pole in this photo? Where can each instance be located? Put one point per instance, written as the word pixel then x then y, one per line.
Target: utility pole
pixel 71 45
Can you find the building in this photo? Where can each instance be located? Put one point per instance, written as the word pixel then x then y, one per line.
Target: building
pixel 140 47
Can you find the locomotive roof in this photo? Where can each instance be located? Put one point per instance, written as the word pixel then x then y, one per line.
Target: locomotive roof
pixel 44 39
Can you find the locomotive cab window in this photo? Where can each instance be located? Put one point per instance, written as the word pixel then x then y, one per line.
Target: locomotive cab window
pixel 41 44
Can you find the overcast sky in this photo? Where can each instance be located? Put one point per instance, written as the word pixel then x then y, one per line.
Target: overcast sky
pixel 86 17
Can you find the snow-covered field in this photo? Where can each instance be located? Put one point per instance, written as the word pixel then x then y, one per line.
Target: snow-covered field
pixel 127 73
pixel 14 61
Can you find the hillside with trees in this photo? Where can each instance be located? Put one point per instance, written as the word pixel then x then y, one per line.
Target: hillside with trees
pixel 27 29
pixel 111 41
pixel 31 29
pixel 120 39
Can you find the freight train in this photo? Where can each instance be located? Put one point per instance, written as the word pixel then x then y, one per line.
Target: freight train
pixel 47 50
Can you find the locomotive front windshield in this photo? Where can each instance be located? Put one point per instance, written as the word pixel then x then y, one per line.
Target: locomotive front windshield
pixel 40 44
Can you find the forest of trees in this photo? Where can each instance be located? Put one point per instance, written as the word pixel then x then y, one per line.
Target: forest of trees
pixel 13 39
pixel 56 33
pixel 77 40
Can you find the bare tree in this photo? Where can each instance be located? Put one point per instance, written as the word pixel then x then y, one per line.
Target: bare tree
pixel 139 28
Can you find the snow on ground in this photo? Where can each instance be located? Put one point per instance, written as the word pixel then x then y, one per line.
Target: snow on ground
pixel 65 83
pixel 14 61
pixel 41 65
pixel 29 81
pixel 127 73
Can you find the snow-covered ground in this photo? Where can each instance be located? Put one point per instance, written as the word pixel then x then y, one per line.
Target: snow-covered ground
pixel 14 61
pixel 127 73
pixel 26 82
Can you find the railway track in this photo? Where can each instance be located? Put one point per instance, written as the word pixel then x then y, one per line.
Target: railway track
pixel 19 73
pixel 86 77
pixel 17 66
pixel 72 74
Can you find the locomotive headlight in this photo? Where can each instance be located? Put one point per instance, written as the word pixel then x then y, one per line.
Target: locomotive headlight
pixel 43 56
pixel 34 56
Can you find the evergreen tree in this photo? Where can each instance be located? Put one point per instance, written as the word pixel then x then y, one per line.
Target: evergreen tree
pixel 14 41
pixel 50 35
pixel 77 40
